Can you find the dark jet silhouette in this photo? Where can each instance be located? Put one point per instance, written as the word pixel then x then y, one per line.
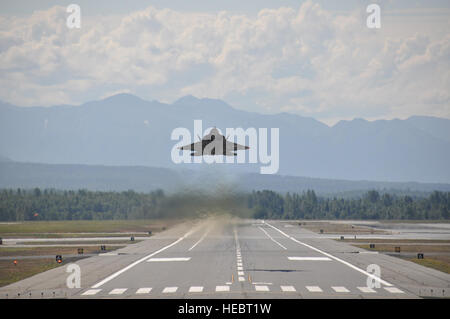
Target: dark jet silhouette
pixel 213 143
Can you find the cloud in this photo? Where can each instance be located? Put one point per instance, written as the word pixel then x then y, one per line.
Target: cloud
pixel 308 60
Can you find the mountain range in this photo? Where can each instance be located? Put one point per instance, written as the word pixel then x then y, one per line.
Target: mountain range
pixel 125 130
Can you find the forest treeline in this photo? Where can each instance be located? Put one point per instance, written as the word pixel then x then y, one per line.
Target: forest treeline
pixel 49 204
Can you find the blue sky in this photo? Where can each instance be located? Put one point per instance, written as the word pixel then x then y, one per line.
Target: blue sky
pixel 315 59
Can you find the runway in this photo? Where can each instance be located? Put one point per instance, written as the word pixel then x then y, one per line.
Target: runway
pixel 233 258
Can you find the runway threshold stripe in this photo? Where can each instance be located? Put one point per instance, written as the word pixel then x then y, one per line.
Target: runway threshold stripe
pixel 143 291
pixel 384 282
pixel 314 288
pixel 394 290
pixel 117 291
pixel 261 288
pixel 366 289
pixel 310 258
pixel 288 288
pixel 170 290
pixel 340 289
pixel 117 273
pixel 91 292
pixel 222 288
pixel 196 289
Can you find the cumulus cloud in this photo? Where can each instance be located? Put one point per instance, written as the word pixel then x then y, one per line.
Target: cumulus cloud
pixel 307 60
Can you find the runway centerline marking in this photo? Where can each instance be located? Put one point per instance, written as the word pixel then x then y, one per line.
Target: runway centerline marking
pixel 333 257
pixel 169 259
pixel 117 273
pixel 271 238
pixel 240 269
pixel 310 258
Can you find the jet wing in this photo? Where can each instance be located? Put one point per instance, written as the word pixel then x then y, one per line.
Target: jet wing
pixel 192 147
pixel 230 146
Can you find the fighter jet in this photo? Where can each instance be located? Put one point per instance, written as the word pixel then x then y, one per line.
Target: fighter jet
pixel 213 143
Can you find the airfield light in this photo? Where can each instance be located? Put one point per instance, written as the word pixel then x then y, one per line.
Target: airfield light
pixel 15 262
pixel 58 259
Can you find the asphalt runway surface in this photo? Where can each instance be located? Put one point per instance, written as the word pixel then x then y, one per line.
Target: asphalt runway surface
pixel 234 258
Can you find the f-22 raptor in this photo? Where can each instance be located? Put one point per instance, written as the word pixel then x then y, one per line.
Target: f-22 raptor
pixel 213 143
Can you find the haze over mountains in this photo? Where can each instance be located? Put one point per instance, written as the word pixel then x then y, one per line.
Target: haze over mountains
pixel 126 130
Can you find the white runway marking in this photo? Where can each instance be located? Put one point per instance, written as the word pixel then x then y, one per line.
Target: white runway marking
pixel 117 291
pixel 340 289
pixel 288 288
pixel 117 273
pixel 366 289
pixel 241 273
pixel 335 258
pixel 310 258
pixel 240 268
pixel 222 288
pixel 241 279
pixel 200 240
pixel 394 290
pixel 169 259
pixel 170 290
pixel 239 264
pixel 314 288
pixel 90 292
pixel 267 234
pixel 196 289
pixel 143 291
pixel 261 288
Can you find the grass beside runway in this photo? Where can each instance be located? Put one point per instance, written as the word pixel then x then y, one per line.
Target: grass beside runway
pixel 441 263
pixel 337 228
pixel 84 242
pixel 60 229
pixel 410 248
pixel 438 259
pixel 10 273
pixel 42 251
